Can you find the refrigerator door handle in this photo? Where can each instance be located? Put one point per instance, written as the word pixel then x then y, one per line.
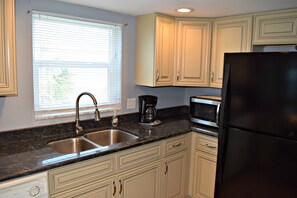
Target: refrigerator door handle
pixel 218 112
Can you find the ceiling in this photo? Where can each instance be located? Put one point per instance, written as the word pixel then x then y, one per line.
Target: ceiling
pixel 202 8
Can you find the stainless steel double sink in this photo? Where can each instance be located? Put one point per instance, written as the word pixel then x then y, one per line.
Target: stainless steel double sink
pixel 91 141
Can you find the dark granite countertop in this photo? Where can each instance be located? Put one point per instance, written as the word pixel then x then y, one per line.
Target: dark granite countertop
pixel 24 152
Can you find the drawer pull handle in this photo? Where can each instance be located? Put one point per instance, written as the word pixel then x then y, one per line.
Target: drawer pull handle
pixel 177 145
pixel 166 170
pixel 121 186
pixel 212 147
pixel 114 188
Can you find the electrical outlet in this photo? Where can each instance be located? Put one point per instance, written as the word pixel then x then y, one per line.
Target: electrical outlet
pixel 131 103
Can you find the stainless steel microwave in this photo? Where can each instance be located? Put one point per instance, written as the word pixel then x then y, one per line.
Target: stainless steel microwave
pixel 205 110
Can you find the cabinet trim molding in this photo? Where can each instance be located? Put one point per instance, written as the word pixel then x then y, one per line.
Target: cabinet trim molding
pixel 276 27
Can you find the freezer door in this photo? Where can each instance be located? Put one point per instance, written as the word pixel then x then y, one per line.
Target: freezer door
pixel 262 93
pixel 254 165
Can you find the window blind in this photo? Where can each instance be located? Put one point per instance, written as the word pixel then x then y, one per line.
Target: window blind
pixel 71 56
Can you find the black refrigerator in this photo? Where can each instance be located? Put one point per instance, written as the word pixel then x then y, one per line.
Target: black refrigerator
pixel 257 156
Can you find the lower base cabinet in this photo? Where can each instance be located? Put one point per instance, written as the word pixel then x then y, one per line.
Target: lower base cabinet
pixel 142 182
pixel 175 176
pixel 165 169
pixel 204 166
pixel 205 174
pixel 155 170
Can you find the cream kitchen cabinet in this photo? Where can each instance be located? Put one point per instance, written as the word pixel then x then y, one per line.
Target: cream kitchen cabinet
pixel 137 171
pixel 174 180
pixel 174 175
pixel 203 166
pixel 140 171
pixel 141 182
pixel 8 79
pixel 153 170
pixel 205 172
pixel 193 42
pixel 132 173
pixel 275 28
pixel 83 177
pixel 154 50
pixel 230 34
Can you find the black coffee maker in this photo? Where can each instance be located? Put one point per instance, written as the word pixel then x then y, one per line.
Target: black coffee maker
pixel 147 110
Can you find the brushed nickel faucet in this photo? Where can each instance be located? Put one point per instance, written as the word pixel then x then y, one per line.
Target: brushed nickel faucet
pixel 97 113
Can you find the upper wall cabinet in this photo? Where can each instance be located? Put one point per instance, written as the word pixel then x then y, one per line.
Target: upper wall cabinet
pixel 154 50
pixel 273 28
pixel 230 34
pixel 192 52
pixel 8 82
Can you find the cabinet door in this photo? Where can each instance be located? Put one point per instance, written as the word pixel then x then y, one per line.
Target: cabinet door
pixel 229 35
pixel 193 52
pixel 204 175
pixel 154 50
pixel 164 50
pixel 141 182
pixel 273 28
pixel 99 189
pixel 174 180
pixel 8 82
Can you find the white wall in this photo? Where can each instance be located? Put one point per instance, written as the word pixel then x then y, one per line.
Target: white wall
pixel 17 112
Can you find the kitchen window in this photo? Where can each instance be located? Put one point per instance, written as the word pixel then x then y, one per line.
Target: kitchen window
pixel 71 56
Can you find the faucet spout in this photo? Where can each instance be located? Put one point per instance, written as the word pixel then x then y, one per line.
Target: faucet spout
pixel 97 113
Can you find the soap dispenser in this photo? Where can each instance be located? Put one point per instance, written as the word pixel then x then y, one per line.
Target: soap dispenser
pixel 114 120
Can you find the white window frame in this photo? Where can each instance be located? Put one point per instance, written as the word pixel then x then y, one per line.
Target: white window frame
pixel 65 112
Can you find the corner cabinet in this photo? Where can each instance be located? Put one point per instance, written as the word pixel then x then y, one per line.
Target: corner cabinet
pixel 273 28
pixel 230 34
pixel 154 50
pixel 8 80
pixel 192 52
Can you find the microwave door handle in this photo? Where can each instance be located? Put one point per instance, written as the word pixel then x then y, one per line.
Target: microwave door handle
pixel 217 117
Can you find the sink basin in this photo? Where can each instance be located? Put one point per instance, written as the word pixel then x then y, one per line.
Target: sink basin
pixel 109 137
pixel 91 140
pixel 71 145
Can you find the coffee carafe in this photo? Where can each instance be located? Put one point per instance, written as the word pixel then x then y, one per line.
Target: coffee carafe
pixel 147 110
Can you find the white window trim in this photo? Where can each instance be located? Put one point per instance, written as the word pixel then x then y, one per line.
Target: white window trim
pixel 51 114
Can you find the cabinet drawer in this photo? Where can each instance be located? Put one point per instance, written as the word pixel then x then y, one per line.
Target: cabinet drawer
pixel 139 156
pixel 175 145
pixel 102 188
pixel 207 144
pixel 75 175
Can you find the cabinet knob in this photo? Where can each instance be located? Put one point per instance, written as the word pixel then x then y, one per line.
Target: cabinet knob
pixel 177 77
pixel 34 191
